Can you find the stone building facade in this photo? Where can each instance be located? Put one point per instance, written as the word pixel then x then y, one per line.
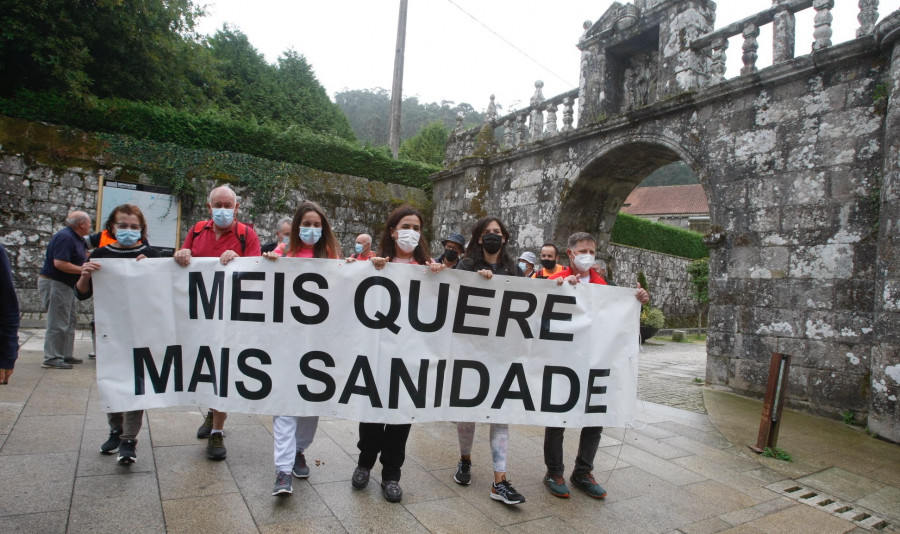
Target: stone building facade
pixel 799 162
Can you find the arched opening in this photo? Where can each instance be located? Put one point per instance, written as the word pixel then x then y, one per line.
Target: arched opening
pixel 598 193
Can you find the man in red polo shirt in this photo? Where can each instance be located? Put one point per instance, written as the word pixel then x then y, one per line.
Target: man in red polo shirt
pixel 582 250
pixel 224 238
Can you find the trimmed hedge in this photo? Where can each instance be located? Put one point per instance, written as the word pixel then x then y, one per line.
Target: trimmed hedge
pixel 208 130
pixel 641 233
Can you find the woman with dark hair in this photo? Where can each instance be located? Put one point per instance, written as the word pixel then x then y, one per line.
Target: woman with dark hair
pixel 311 237
pixel 130 229
pixel 401 242
pixel 487 255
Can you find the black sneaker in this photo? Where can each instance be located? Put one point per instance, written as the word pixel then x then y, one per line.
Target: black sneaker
pixel 127 452
pixel 56 364
pixel 391 490
pixel 463 472
pixel 112 444
pixel 503 491
pixel 205 429
pixel 300 470
pixel 91 355
pixel 282 484
pixel 215 448
pixel 360 477
pixel 73 360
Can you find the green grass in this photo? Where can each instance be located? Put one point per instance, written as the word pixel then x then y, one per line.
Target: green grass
pixel 777 453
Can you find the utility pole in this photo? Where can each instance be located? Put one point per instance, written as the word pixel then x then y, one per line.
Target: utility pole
pixel 397 90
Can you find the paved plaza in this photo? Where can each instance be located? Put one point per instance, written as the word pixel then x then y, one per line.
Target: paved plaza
pixel 675 470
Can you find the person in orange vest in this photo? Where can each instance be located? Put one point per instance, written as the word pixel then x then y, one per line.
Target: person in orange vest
pixel 549 265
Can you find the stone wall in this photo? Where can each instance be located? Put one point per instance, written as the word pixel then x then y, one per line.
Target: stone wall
pixel 36 196
pixel 799 163
pixel 667 276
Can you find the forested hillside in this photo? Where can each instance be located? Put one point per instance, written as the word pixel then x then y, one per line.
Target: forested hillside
pixel 148 51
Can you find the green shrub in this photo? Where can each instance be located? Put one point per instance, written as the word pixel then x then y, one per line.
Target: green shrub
pixel 652 317
pixel 641 233
pixel 215 131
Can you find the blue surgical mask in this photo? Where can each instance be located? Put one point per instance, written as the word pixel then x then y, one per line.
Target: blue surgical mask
pixel 310 235
pixel 286 240
pixel 128 238
pixel 359 248
pixel 223 217
pixel 523 266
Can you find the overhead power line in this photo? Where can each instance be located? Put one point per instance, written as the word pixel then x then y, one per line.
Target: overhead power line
pixel 516 48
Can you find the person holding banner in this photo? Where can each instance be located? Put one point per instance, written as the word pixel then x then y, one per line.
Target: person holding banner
pixel 401 242
pixel 487 255
pixel 311 236
pixel 131 242
pixel 225 238
pixel 582 250
pixel 9 320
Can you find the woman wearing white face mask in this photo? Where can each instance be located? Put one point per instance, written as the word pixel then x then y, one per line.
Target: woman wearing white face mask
pixel 401 242
pixel 310 237
pixel 487 255
pixel 130 230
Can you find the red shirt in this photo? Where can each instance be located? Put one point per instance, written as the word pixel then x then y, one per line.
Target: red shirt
pixel 362 257
pixel 205 245
pixel 595 277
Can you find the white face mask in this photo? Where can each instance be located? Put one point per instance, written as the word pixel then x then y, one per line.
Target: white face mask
pixel 407 240
pixel 583 262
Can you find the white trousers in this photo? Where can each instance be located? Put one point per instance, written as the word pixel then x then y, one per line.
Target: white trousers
pixel 292 434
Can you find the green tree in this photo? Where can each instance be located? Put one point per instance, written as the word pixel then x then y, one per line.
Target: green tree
pixel 135 49
pixel 428 145
pixel 699 273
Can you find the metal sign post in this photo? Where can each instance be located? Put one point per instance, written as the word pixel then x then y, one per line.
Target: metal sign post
pixel 773 403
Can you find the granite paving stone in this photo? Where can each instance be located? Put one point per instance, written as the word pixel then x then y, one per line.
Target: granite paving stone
pixel 120 503
pixel 801 519
pixel 45 523
pixel 33 483
pixel 225 514
pixel 843 484
pixel 44 434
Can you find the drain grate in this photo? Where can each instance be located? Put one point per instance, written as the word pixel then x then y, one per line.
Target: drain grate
pixel 827 503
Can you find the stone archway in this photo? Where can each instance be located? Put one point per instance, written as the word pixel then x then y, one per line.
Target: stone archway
pixel 606 177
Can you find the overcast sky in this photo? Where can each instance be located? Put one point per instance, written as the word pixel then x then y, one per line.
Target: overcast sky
pixel 451 56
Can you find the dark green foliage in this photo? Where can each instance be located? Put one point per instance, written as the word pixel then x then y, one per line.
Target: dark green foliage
pixel 676 173
pixel 284 94
pixel 215 132
pixel 369 112
pixel 699 272
pixel 136 49
pixel 637 232
pixel 428 145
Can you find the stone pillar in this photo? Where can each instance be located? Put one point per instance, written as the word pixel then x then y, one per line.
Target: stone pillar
pixel 884 408
pixel 783 33
pixel 682 68
pixel 593 85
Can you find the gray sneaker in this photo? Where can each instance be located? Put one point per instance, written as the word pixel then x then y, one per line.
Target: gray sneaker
pixel 360 477
pixel 300 470
pixel 282 484
pixel 391 490
pixel 56 364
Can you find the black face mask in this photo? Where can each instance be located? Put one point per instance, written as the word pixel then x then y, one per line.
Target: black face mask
pixel 450 254
pixel 492 243
pixel 548 264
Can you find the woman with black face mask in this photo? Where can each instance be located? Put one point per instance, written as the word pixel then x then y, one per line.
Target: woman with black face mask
pixel 487 255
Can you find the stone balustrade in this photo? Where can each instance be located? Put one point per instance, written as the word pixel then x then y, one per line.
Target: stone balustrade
pixel 542 119
pixel 781 15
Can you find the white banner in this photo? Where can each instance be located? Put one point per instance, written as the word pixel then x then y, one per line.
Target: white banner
pixel 400 345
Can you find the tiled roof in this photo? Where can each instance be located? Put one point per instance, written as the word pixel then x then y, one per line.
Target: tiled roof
pixel 667 200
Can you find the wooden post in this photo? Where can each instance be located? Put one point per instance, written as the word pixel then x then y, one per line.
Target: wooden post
pixel 773 404
pixel 397 89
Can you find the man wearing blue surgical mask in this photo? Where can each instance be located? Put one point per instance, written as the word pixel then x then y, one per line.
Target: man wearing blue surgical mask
pixel 363 248
pixel 282 236
pixel 225 238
